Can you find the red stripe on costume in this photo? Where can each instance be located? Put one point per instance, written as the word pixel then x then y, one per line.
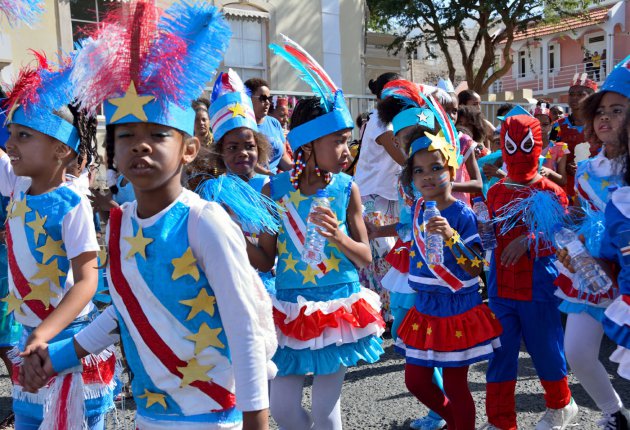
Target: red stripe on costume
pixel 301 238
pixel 626 299
pixel 21 283
pixel 305 327
pixel 153 340
pixel 63 402
pixel 566 286
pixel 584 195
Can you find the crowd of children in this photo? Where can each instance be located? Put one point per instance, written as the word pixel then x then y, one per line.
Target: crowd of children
pixel 218 317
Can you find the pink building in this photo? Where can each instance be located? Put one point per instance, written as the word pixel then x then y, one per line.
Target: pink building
pixel 547 57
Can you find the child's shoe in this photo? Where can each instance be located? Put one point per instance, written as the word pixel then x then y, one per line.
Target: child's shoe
pixel 558 419
pixel 428 423
pixel 620 420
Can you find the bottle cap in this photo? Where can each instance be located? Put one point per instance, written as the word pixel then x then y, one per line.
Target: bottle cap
pixel 612 188
pixel 431 204
pixel 478 199
pixel 321 193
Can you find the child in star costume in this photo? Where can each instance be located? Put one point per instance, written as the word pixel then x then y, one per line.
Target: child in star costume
pixel 520 287
pixel 52 248
pixel 604 113
pixel 183 303
pixel 324 319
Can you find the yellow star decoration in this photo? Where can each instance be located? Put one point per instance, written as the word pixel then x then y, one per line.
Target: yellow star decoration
pixel 439 143
pixel 130 104
pixel 37 225
pixel 20 209
pixel 50 272
pixel 419 265
pixel 461 260
pixel 332 263
pixel 13 303
pixel 153 398
pixel 296 198
pixel 206 337
pixel 41 293
pixel 193 371
pixel 453 240
pixel 138 244
pixel 237 109
pixel 10 208
pixel 565 147
pixel 102 256
pixel 586 176
pixel 51 249
pixel 412 253
pixel 548 154
pixel 475 262
pixel 333 246
pixel 282 247
pixel 415 327
pixel 429 330
pixel 458 334
pixel 290 263
pixel 185 265
pixel 309 274
pixel 203 302
pixel 605 184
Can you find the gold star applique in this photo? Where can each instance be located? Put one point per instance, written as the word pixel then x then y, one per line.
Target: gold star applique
pixel 419 265
pixel 20 209
pixel 38 226
pixel 412 253
pixel 203 302
pixel 237 109
pixel 51 249
pixel 604 184
pixel 50 272
pixel 41 293
pixel 130 104
pixel 309 274
pixel 206 337
pixel 475 262
pixel 458 334
pixel 282 247
pixel 415 327
pixel 429 330
pixel 296 198
pixel 193 371
pixel 138 244
pixel 102 256
pixel 332 263
pixel 10 208
pixel 461 260
pixel 453 239
pixel 185 265
pixel 153 398
pixel 13 303
pixel 290 263
pixel 586 176
pixel 548 154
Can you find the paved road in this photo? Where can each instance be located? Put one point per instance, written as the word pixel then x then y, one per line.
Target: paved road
pixel 374 396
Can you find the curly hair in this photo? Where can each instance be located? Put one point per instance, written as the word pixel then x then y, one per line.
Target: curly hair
pixel 474 122
pixel 254 83
pixel 262 145
pixel 86 126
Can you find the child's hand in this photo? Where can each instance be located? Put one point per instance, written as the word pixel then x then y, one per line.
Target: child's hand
pixel 571 168
pixel 492 171
pixel 372 229
pixel 514 251
pixel 564 258
pixel 36 369
pixel 545 172
pixel 440 226
pixel 327 220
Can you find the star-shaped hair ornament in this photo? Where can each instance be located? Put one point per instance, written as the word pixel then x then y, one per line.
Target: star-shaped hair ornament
pixel 439 143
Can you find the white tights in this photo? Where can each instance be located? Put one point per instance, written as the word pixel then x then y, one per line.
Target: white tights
pixel 286 402
pixel 582 341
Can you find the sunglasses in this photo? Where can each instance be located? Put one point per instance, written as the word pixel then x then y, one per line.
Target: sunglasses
pixel 263 98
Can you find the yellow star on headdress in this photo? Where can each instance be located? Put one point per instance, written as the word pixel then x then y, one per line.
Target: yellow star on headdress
pixel 290 263
pixel 130 104
pixel 153 398
pixel 439 143
pixel 309 274
pixel 332 263
pixel 51 248
pixel 237 109
pixel 193 371
pixel 282 247
pixel 37 225
pixel 138 244
pixel 13 303
pixel 20 209
pixel 50 272
pixel 41 293
pixel 203 302
pixel 296 198
pixel 475 262
pixel 206 337
pixel 185 265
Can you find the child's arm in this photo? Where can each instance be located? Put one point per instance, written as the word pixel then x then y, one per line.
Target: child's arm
pixel 8 177
pixel 355 246
pixel 474 184
pixel 262 257
pixel 375 231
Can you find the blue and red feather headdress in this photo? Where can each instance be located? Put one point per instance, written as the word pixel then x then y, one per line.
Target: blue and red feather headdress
pixel 22 11
pixel 230 105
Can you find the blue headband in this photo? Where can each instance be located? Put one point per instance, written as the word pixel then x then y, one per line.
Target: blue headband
pixel 619 79
pixel 230 111
pixel 414 116
pixel 49 124
pixel 419 144
pixel 338 119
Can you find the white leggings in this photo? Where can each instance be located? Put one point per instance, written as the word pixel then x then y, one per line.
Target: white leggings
pixel 286 402
pixel 582 341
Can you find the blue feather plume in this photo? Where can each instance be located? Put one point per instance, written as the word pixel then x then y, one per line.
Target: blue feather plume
pixel 592 228
pixel 254 211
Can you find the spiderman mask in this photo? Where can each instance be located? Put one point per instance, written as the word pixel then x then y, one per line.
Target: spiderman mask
pixel 521 146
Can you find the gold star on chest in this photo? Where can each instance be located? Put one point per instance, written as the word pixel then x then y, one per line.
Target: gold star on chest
pixel 138 244
pixel 153 398
pixel 38 226
pixel 604 184
pixel 193 371
pixel 130 104
pixel 412 253
pixel 586 176
pixel 51 249
pixel 461 260
pixel 475 262
pixel 206 337
pixel 282 247
pixel 309 274
pixel 237 109
pixel 50 272
pixel 41 293
pixel 13 303
pixel 419 265
pixel 332 263
pixel 185 265
pixel 10 208
pixel 296 198
pixel 20 209
pixel 453 239
pixel 290 263
pixel 203 302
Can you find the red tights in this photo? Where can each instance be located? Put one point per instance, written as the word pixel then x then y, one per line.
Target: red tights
pixel 458 410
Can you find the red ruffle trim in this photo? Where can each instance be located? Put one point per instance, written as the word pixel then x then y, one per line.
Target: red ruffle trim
pixel 398 257
pixel 101 372
pixel 565 285
pixel 306 327
pixel 455 333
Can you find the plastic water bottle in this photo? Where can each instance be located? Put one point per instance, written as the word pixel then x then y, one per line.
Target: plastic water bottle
pixel 314 244
pixel 486 230
pixel 611 190
pixel 434 242
pixel 590 276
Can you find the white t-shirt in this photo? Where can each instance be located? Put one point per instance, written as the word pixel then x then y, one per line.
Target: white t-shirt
pixel 377 172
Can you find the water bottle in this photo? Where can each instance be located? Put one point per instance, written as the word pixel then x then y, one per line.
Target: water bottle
pixel 434 242
pixel 611 190
pixel 486 229
pixel 589 275
pixel 314 244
